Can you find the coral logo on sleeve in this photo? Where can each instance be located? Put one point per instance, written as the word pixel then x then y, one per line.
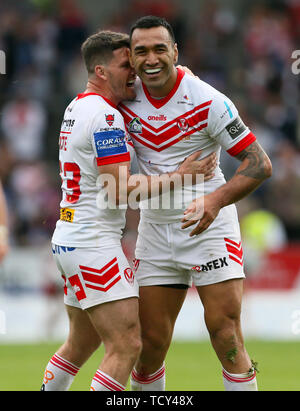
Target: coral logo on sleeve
pixel 110 143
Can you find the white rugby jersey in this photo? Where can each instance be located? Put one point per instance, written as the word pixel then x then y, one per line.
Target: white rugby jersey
pixel 92 134
pixel 193 116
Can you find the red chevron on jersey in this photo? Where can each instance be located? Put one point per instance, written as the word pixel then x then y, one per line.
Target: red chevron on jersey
pixel 170 133
pixel 102 279
pixel 132 115
pixel 235 250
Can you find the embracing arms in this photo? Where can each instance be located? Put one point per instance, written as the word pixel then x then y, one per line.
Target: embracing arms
pixel 117 177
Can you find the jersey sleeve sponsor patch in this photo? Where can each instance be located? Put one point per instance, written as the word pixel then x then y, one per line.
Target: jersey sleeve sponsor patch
pixel 236 128
pixel 111 147
pixel 226 126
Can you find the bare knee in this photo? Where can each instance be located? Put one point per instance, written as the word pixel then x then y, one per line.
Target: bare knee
pixel 222 308
pixel 225 330
pixel 223 327
pixel 223 319
pixel 156 339
pixel 156 342
pixel 126 346
pixel 227 340
pixel 131 345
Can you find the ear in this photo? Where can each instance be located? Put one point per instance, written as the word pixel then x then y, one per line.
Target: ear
pixel 175 53
pixel 100 72
pixel 130 58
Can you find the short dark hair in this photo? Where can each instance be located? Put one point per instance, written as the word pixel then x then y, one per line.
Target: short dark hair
pixel 147 22
pixel 98 48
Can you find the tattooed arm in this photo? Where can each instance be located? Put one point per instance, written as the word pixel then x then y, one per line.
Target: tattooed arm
pixel 254 169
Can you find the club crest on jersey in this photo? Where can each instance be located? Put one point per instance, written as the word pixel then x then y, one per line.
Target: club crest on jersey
pixel 110 118
pixel 183 124
pixel 135 125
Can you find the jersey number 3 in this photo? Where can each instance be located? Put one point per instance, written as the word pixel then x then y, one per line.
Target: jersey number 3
pixel 73 188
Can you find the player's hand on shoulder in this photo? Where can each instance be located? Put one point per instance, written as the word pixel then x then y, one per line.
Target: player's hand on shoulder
pixel 187 70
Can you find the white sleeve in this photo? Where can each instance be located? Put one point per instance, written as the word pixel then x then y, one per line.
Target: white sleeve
pixel 226 127
pixel 108 137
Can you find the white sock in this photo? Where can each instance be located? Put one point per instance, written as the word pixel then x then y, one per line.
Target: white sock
pixel 59 374
pixel 152 382
pixel 103 382
pixel 240 382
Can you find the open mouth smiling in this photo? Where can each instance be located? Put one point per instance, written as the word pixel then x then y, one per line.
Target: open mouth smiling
pixel 153 71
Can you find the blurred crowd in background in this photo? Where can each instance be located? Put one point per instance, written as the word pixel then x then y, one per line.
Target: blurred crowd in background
pixel 244 51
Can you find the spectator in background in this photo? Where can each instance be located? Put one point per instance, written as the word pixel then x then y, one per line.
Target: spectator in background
pixel 72 31
pixel 262 232
pixel 283 194
pixel 35 202
pixel 23 124
pixel 269 40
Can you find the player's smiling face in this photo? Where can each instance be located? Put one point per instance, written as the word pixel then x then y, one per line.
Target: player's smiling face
pixel 153 55
pixel 121 76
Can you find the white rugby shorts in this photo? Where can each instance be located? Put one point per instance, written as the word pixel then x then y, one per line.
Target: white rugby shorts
pixel 165 254
pixel 94 276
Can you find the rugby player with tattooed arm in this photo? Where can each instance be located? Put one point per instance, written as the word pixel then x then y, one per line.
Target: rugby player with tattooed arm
pixel 200 243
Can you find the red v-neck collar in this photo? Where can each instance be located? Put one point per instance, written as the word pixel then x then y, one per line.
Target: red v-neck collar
pixel 158 103
pixel 82 95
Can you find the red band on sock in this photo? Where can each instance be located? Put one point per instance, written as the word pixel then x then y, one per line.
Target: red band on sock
pixel 238 379
pixel 64 365
pixel 107 382
pixel 148 379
